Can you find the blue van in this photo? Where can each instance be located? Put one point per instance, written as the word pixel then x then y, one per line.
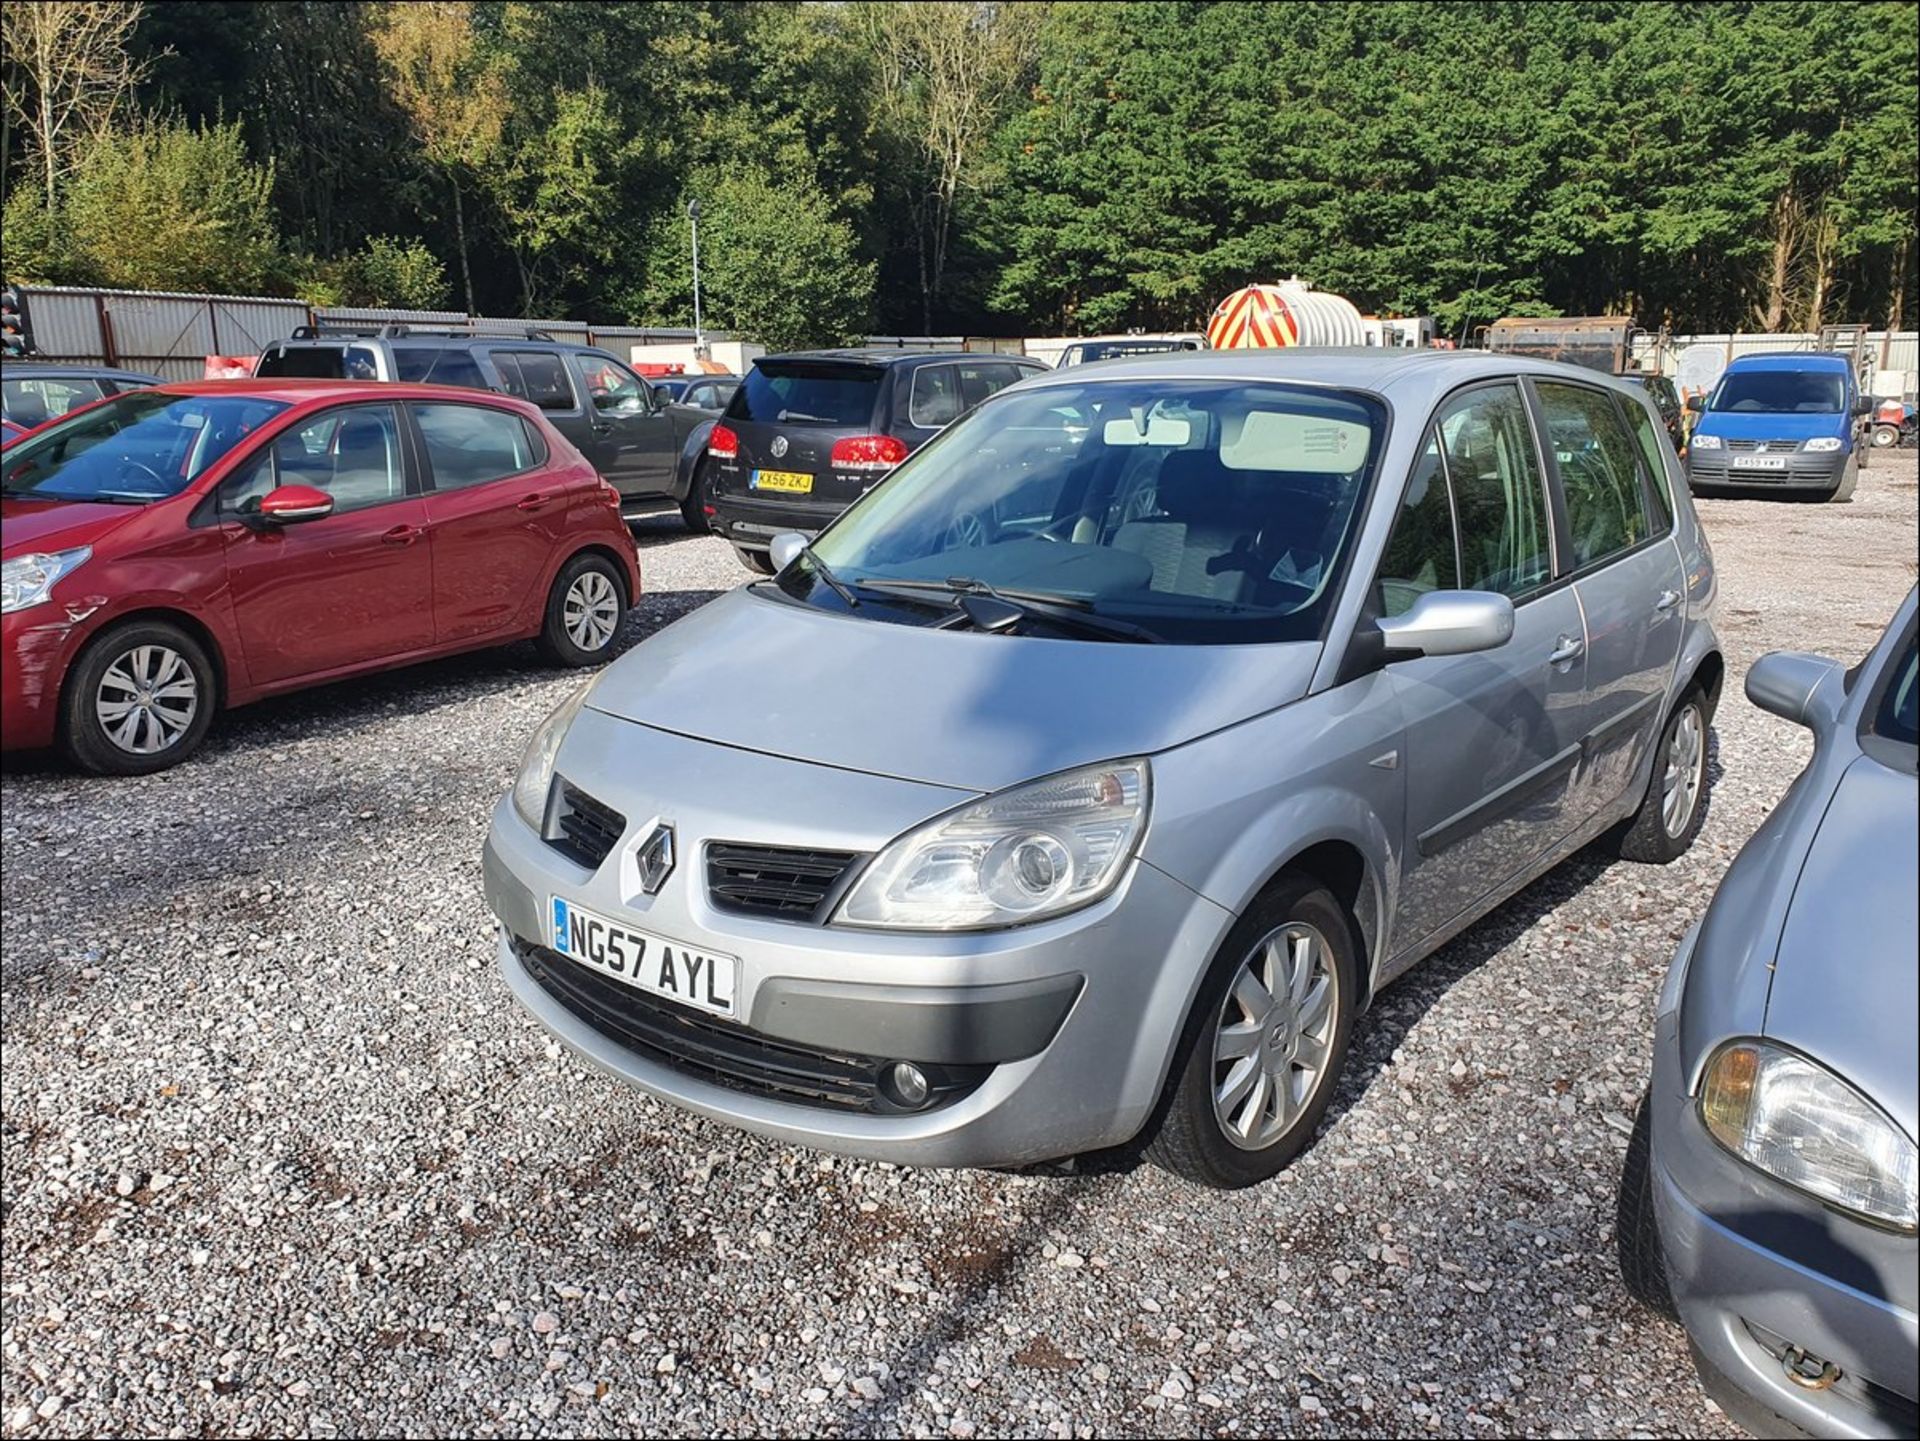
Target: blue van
pixel 1779 422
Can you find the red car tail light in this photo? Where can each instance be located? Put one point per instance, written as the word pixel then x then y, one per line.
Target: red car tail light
pixel 868 452
pixel 608 493
pixel 723 444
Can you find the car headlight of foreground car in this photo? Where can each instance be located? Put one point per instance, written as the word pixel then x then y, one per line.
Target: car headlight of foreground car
pixel 1034 851
pixel 1705 442
pixel 530 787
pixel 1823 442
pixel 27 580
pixel 1801 1124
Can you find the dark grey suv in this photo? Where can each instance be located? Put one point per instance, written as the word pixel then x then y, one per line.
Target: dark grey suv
pixel 593 398
pixel 808 434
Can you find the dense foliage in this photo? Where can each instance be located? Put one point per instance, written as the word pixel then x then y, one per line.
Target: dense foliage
pixel 990 168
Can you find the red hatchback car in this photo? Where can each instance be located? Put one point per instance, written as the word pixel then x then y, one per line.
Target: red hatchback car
pixel 169 551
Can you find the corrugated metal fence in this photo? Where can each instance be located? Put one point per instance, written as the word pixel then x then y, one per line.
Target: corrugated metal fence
pixel 171 334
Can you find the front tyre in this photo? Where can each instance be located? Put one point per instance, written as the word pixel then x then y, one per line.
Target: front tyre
pixel 1885 437
pixel 585 610
pixel 139 699
pixel 1266 1041
pixel 1675 804
pixel 1636 1230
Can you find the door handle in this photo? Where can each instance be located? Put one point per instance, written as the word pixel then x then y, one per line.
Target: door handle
pixel 603 427
pixel 1668 600
pixel 402 535
pixel 532 502
pixel 1569 649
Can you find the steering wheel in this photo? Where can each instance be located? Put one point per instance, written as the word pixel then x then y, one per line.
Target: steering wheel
pixel 141 468
pixel 966 531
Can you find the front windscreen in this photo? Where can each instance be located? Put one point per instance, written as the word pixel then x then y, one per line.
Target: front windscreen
pixel 1780 392
pixel 808 392
pixel 136 448
pixel 1201 511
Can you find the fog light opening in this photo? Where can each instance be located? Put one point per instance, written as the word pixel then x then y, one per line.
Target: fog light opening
pixel 907 1085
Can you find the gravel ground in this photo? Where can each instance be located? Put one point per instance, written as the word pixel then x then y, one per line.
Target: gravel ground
pixel 280 1156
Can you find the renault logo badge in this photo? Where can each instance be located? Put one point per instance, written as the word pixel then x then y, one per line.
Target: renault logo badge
pixel 655 858
pixel 779 446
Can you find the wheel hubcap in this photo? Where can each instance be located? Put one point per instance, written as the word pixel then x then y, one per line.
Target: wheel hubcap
pixel 1685 772
pixel 1273 1036
pixel 590 611
pixel 147 699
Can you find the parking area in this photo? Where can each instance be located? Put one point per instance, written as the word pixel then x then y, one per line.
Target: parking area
pixel 282 1157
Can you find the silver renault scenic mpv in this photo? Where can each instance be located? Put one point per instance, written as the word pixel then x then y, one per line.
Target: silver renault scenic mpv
pixel 1087 778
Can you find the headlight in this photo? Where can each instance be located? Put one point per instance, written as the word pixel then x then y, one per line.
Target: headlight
pixel 1704 442
pixel 1039 849
pixel 28 579
pixel 1801 1124
pixel 536 765
pixel 1823 442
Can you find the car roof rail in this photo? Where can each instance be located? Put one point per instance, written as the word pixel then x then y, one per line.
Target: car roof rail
pixel 325 329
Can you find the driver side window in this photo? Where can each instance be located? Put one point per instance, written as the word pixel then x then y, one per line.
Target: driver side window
pixel 611 388
pixel 353 454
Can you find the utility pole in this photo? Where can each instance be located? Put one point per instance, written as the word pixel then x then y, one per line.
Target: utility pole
pixel 699 335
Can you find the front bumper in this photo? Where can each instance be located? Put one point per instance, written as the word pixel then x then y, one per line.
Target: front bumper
pixel 36 647
pixel 1805 469
pixel 1068 1025
pixel 1753 1265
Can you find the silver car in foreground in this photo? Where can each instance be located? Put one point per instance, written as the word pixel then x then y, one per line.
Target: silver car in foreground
pixel 1771 1185
pixel 1087 779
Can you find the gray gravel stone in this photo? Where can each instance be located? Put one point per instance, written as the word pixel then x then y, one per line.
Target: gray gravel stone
pixel 267 977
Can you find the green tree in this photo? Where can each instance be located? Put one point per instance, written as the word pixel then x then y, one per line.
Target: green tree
pixel 170 206
pixel 776 266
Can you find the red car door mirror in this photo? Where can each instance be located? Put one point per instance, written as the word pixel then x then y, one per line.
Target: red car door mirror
pixel 290 504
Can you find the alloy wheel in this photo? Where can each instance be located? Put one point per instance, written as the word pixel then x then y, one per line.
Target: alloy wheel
pixel 1686 769
pixel 590 610
pixel 147 699
pixel 1274 1035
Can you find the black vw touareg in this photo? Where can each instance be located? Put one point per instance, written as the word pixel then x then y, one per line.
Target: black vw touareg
pixel 808 434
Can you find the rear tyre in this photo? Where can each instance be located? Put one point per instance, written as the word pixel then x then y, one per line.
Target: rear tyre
pixel 585 610
pixel 1885 437
pixel 1675 805
pixel 1636 1230
pixel 1265 1042
pixel 757 561
pixel 139 699
pixel 693 510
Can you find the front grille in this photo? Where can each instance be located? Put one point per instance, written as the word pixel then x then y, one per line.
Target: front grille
pixel 787 881
pixel 588 829
pixel 1773 447
pixel 724 1053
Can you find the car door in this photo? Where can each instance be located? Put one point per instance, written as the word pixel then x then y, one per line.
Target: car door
pixel 633 442
pixel 348 588
pixel 541 378
pixel 1492 739
pixel 1616 540
pixel 497 510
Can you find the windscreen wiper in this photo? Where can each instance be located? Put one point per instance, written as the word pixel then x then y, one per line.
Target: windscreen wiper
pixel 838 586
pixel 995 610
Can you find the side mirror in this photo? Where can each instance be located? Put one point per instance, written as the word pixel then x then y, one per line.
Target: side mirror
pixel 1696 403
pixel 1789 684
pixel 1862 406
pixel 290 504
pixel 785 548
pixel 1449 622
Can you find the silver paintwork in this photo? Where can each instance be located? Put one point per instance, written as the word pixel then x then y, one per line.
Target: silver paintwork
pixel 1810 942
pixel 757 720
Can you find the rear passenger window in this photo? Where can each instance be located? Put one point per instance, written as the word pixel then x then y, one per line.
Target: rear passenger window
pixel 935 398
pixel 1653 450
pixel 537 376
pixel 1499 500
pixel 1421 553
pixel 1599 472
pixel 439 367
pixel 473 444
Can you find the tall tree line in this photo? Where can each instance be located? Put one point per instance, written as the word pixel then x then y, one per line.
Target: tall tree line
pixel 953 165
